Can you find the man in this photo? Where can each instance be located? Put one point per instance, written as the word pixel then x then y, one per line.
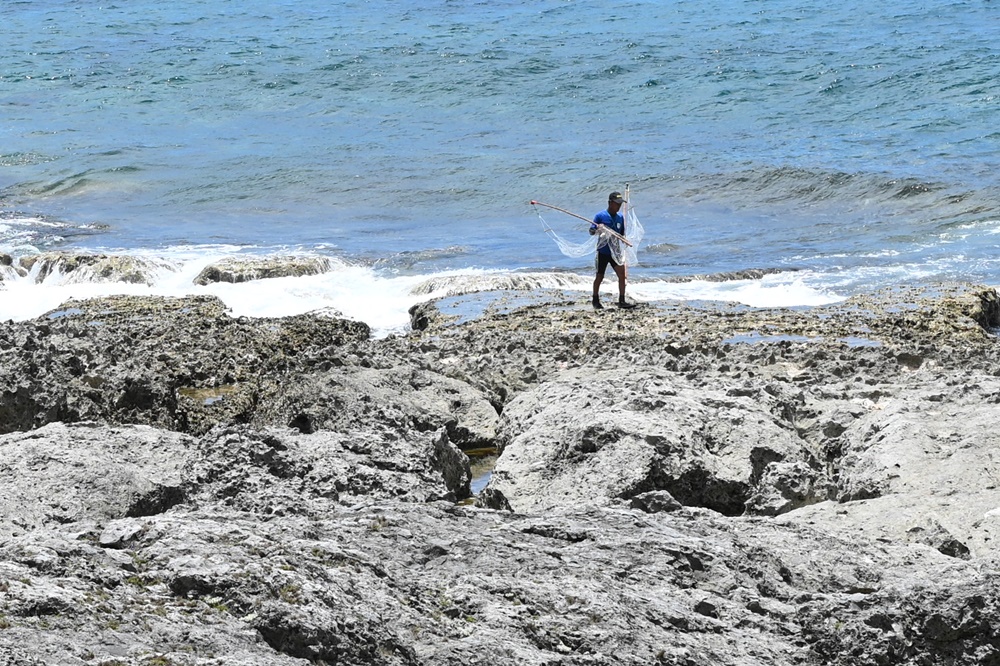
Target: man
pixel 614 221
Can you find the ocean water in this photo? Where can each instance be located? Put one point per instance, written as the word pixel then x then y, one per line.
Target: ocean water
pixel 840 147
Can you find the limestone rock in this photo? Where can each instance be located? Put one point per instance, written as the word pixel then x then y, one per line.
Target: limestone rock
pixel 594 435
pixel 405 397
pixel 678 484
pixel 246 269
pixel 182 364
pixel 62 474
pixel 79 268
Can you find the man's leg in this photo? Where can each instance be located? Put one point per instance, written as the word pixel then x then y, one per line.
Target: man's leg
pixel 620 272
pixel 601 267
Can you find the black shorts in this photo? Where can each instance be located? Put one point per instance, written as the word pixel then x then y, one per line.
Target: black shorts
pixel 602 261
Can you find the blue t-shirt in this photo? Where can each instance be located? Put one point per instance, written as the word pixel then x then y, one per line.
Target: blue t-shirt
pixel 617 225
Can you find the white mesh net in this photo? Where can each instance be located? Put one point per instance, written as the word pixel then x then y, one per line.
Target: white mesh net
pixel 623 253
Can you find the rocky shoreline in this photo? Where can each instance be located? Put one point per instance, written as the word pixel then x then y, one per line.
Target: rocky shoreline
pixel 678 484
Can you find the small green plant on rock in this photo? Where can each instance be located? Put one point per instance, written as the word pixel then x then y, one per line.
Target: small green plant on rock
pixel 290 593
pixel 137 581
pixel 218 605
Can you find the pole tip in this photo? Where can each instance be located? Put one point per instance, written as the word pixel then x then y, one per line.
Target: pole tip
pixel 533 202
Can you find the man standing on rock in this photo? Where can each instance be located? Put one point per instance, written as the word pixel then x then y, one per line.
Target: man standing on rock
pixel 614 221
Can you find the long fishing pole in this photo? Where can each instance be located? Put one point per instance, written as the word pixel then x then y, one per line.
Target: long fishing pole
pixel 612 232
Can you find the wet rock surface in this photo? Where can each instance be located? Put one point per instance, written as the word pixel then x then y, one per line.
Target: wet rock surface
pixel 676 484
pixel 79 268
pixel 182 364
pixel 247 269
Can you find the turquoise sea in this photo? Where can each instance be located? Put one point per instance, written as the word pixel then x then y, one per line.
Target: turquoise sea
pixel 841 146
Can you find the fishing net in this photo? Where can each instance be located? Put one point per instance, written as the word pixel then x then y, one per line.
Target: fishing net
pixel 622 252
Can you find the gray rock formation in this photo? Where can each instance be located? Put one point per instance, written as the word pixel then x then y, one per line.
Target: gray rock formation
pixel 182 364
pixel 594 435
pixel 245 269
pixel 676 485
pixel 76 268
pixel 9 270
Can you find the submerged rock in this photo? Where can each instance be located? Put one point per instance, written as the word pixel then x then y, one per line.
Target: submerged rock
pixel 70 268
pixel 246 269
pixel 10 270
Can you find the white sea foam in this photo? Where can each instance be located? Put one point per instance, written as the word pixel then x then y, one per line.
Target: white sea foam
pixel 357 292
pixel 360 293
pixel 779 290
pixel 382 300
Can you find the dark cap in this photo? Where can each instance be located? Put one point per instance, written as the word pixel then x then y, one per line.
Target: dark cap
pixel 616 197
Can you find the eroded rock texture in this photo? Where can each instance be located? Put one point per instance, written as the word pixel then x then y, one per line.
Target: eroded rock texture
pixel 675 485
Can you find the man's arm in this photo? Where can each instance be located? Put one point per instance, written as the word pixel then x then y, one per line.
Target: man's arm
pixel 598 221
